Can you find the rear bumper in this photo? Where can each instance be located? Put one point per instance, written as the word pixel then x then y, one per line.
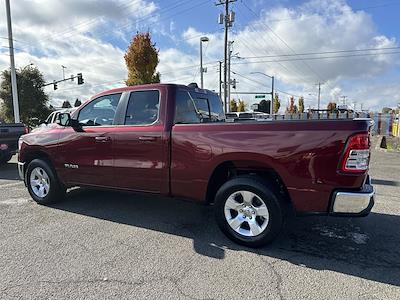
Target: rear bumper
pixel 353 203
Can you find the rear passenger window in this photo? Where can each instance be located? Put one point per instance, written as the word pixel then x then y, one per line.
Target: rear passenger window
pixel 185 112
pixel 143 108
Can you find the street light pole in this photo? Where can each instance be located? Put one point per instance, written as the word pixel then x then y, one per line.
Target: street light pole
pixel 272 95
pixel 202 70
pixel 229 75
pixel 63 70
pixel 14 87
pixel 220 79
pixel 272 88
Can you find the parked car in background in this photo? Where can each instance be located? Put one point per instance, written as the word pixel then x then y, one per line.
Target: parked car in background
pixel 52 118
pixel 9 135
pixel 173 140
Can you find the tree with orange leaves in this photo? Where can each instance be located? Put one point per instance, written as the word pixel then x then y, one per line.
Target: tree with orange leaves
pixel 141 59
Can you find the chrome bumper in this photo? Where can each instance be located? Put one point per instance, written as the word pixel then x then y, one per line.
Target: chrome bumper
pixel 357 203
pixel 21 170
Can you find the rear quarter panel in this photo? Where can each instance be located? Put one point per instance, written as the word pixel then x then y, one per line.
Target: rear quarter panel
pixel 304 153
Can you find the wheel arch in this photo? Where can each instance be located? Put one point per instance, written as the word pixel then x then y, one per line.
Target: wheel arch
pixel 229 169
pixel 36 153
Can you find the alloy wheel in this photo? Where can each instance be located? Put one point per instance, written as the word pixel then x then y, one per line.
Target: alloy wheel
pixel 39 182
pixel 246 213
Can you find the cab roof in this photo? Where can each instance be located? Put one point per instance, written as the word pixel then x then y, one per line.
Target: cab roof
pixel 191 87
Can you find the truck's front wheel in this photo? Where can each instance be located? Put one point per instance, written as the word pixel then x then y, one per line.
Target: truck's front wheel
pixel 248 211
pixel 42 182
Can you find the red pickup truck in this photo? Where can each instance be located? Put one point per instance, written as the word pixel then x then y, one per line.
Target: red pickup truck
pixel 174 140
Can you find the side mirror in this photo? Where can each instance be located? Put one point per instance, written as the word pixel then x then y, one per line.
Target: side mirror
pixel 64 119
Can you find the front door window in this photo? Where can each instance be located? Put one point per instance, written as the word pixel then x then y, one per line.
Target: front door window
pixel 100 111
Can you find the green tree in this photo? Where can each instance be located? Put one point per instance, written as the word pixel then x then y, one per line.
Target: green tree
pixel 277 103
pixel 233 106
pixel 241 106
pixel 32 98
pixel 141 59
pixel 301 104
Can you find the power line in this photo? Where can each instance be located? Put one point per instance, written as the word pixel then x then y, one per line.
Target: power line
pixel 324 52
pixel 317 58
pixel 100 34
pixel 282 40
pixel 75 27
pixel 279 90
pixel 295 69
pixel 144 17
pixel 348 8
pixel 297 72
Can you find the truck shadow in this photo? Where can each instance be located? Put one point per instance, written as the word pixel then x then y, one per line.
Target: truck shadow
pixel 362 247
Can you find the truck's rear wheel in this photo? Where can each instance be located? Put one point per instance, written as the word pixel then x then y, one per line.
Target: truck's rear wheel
pixel 248 211
pixel 42 182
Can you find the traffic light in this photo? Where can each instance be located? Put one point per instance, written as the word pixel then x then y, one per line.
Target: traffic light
pixel 80 79
pixel 55 85
pixel 234 83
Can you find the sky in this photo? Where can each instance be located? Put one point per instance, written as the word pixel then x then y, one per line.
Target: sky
pixel 350 46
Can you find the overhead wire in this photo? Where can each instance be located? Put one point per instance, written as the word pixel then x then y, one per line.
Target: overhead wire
pixel 318 76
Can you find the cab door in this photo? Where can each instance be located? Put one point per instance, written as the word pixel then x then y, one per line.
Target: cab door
pixel 141 146
pixel 86 156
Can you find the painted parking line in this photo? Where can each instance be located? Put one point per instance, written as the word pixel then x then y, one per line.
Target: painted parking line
pixel 15 201
pixel 11 184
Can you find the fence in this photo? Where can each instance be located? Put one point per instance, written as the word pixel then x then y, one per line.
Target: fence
pixel 313 116
pixel 384 124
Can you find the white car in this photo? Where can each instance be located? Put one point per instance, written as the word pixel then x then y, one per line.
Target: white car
pixel 53 116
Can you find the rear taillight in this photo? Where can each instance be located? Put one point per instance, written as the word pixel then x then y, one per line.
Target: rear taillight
pixel 356 155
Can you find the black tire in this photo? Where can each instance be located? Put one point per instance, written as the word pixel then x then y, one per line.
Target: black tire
pixel 56 191
pixel 263 191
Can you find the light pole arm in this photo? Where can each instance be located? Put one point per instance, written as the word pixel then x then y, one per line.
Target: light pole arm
pixel 272 88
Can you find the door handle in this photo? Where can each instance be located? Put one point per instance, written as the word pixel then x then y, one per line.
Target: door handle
pixel 102 139
pixel 147 138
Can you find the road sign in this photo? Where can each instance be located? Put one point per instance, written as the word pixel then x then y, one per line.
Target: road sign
pixel 259 96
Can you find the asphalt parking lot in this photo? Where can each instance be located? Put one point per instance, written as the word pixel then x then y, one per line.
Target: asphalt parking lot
pixel 102 245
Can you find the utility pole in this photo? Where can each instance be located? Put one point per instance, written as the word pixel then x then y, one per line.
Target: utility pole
pixel 227 19
pixel 319 95
pixel 220 79
pixel 344 99
pixel 14 87
pixel 272 95
pixel 229 74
